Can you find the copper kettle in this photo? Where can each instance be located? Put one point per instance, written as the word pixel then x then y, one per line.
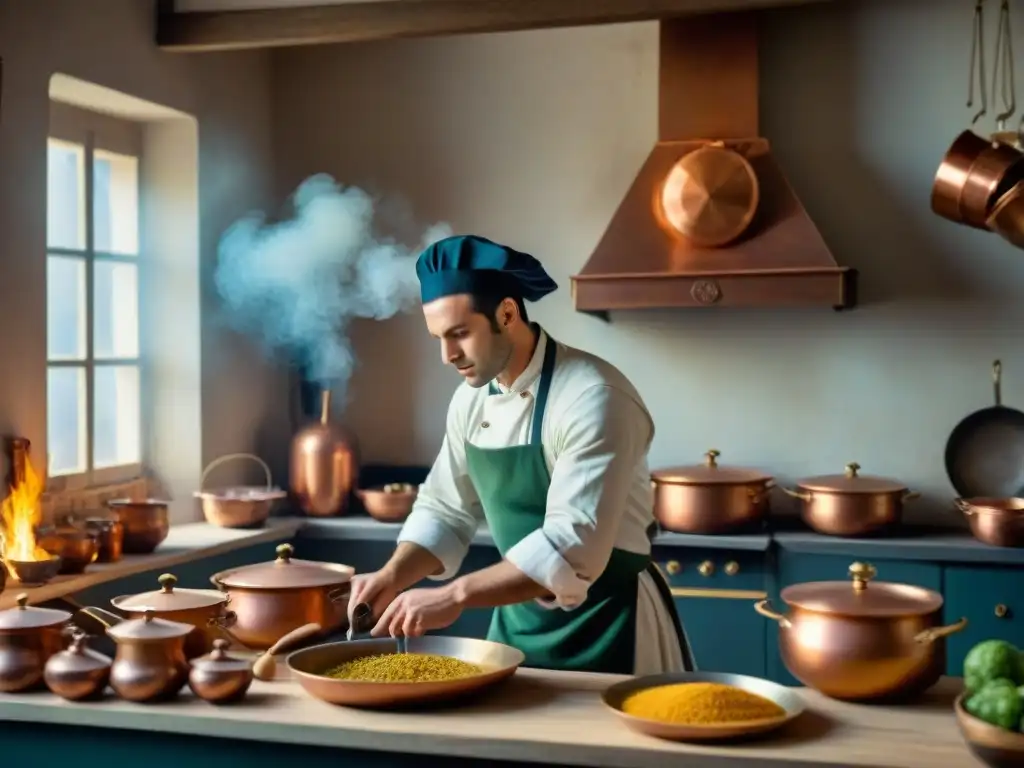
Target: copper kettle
pixel 324 465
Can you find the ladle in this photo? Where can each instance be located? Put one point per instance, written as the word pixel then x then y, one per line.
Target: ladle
pixel 265 666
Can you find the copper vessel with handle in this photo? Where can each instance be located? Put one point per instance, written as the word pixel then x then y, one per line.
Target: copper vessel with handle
pixel 324 465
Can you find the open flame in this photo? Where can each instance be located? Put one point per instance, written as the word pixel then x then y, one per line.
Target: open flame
pixel 20 513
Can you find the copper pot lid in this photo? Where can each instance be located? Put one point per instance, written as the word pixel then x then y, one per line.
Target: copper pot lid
pixel 149 628
pixel 286 573
pixel 25 616
pixel 218 660
pixel 167 598
pixel 710 195
pixel 862 597
pixel 852 482
pixel 709 472
pixel 79 657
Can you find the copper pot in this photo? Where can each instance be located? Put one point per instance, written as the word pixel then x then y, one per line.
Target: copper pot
pixel 149 663
pixel 269 600
pixel 77 673
pixel 708 498
pixel 205 609
pixel 390 503
pixel 76 548
pixel 220 678
pixel 859 641
pixel 29 636
pixel 146 523
pixel 851 504
pixel 324 465
pixel 973 173
pixel 999 522
pixel 109 534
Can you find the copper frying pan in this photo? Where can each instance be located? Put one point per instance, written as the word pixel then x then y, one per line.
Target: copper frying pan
pixel 985 451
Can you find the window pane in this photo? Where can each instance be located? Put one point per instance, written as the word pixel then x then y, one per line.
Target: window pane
pixel 115 203
pixel 116 439
pixel 115 310
pixel 65 420
pixel 65 308
pixel 65 195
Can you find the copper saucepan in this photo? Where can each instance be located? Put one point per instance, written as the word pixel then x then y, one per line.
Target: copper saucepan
pixel 973 174
pixel 862 641
pixel 999 522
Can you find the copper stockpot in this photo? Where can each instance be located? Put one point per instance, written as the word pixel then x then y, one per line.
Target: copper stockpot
pixel 972 175
pixel 708 498
pixel 77 673
pixel 205 609
pixel 999 522
pixel 149 663
pixel 851 504
pixel 324 465
pixel 859 641
pixel 29 636
pixel 146 523
pixel 269 600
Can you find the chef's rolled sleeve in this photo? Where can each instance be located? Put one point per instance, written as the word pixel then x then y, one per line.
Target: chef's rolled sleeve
pixel 447 511
pixel 605 434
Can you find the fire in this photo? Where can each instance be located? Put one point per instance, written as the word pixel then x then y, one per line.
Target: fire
pixel 20 513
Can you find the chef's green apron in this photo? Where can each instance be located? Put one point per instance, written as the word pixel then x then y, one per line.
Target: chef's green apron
pixel 598 636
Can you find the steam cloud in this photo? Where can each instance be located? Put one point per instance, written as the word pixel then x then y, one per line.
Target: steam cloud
pixel 295 285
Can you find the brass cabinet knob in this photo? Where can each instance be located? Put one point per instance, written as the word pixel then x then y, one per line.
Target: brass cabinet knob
pixel 1001 611
pixel 732 568
pixel 706 568
pixel 673 567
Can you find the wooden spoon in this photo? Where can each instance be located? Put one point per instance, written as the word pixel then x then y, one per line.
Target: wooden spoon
pixel 265 667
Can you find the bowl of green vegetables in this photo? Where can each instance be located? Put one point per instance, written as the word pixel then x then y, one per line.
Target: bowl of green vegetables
pixel 990 711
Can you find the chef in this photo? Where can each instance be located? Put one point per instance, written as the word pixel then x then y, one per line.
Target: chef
pixel 548 445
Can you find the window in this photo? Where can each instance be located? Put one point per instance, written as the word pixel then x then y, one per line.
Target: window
pixel 93 368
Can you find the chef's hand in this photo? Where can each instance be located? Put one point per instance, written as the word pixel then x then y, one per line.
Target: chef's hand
pixel 376 589
pixel 418 611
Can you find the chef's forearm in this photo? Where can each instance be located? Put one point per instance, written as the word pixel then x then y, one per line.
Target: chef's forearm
pixel 410 564
pixel 500 584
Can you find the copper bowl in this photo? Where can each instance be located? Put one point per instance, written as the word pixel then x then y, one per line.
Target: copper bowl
pixel 33 573
pixel 389 503
pixel 146 523
pixel 994 521
pixel 992 745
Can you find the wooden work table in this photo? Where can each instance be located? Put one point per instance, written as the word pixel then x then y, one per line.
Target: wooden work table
pixel 535 718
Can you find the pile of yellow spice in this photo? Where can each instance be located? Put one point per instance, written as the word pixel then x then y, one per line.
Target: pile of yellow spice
pixel 700 704
pixel 403 668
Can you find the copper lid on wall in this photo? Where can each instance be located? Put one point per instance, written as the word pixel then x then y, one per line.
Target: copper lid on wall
pixel 285 573
pixel 852 482
pixel 709 473
pixel 862 596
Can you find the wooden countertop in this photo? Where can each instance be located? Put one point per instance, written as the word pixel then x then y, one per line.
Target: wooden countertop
pixel 184 544
pixel 537 716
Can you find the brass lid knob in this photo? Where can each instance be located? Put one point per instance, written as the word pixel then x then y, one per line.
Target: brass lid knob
pixel 709 458
pixel 284 552
pixel 852 468
pixel 862 573
pixel 167 582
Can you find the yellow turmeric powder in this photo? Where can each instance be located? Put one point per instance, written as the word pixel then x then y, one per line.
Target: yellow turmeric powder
pixel 700 704
pixel 403 668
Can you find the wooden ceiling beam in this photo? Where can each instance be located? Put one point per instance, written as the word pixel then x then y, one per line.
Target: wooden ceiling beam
pixel 351 22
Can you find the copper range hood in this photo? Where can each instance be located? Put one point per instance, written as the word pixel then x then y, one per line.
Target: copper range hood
pixel 708 87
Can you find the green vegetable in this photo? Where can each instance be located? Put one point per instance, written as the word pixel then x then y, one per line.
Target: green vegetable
pixel 998 703
pixel 990 660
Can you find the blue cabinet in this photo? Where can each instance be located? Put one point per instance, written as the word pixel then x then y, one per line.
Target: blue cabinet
pixel 992 601
pixel 798 568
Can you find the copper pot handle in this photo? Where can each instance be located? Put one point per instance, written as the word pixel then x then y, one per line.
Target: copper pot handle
pixel 223 623
pixel 802 495
pixel 932 634
pixel 106 618
pixel 764 608
pixel 911 496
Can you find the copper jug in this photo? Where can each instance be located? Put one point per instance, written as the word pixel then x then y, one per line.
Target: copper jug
pixel 324 465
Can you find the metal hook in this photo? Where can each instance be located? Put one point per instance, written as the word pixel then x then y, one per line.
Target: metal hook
pixel 1004 56
pixel 977 61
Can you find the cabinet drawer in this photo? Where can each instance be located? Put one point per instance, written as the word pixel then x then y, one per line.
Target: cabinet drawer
pixel 992 601
pixel 725 635
pixel 691 571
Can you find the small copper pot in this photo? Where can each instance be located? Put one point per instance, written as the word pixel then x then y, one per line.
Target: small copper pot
pixel 146 523
pixel 77 673
pixel 862 642
pixel 851 504
pixel 269 600
pixel 708 498
pixel 77 548
pixel 29 636
pixel 220 678
pixel 109 534
pixel 149 663
pixel 999 522
pixel 204 609
pixel 972 175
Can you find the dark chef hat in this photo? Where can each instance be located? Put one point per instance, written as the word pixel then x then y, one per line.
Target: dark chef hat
pixel 471 264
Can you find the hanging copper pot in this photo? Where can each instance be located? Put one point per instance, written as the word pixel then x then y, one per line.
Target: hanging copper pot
pixel 324 465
